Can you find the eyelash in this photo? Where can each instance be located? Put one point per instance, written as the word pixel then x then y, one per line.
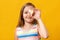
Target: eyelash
pixel 26 12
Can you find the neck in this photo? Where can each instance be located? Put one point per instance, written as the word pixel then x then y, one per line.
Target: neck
pixel 27 25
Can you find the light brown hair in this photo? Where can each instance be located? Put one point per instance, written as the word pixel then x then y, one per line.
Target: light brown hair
pixel 21 19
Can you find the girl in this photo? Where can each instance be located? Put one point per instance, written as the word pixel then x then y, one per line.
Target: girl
pixel 30 26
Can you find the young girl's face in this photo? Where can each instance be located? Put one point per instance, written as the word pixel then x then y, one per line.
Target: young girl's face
pixel 27 14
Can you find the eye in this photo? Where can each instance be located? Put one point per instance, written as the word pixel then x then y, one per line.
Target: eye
pixel 26 12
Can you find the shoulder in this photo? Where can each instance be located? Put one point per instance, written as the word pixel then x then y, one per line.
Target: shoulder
pixel 18 29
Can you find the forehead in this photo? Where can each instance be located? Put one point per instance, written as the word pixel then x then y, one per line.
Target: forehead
pixel 28 7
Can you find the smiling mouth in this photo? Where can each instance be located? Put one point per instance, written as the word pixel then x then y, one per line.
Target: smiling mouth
pixel 30 17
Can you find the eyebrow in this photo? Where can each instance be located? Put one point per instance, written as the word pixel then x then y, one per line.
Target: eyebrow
pixel 25 10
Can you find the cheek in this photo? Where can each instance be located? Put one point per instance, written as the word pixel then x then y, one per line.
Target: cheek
pixel 24 16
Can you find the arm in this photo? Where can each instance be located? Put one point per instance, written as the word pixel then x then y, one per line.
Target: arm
pixel 15 36
pixel 41 29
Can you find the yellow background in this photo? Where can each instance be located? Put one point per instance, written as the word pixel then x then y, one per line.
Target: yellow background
pixel 9 14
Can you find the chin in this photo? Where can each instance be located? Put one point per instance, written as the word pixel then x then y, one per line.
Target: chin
pixel 30 21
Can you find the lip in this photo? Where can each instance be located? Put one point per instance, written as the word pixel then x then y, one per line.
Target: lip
pixel 29 17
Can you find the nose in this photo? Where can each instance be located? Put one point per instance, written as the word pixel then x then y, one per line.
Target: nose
pixel 29 15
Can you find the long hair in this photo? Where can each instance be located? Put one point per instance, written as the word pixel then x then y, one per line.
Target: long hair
pixel 21 19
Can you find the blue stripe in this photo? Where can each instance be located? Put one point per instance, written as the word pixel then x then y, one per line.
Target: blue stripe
pixel 27 35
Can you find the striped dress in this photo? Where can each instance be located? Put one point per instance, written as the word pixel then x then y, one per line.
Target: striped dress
pixel 25 34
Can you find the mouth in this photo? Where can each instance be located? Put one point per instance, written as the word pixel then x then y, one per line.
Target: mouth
pixel 29 18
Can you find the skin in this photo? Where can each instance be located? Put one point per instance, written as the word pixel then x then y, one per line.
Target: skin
pixel 28 18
